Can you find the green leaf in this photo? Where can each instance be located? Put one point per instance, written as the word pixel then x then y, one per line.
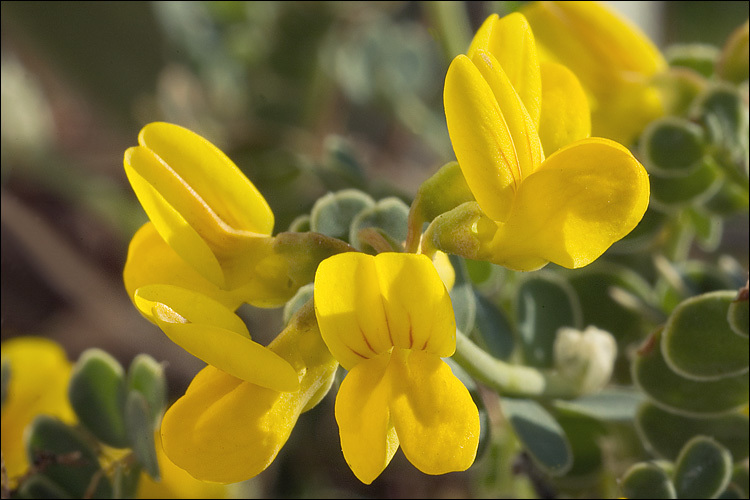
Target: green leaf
pixel 594 285
pixel 697 56
pixel 462 297
pixel 665 433
pixel 541 435
pixel 729 199
pixel 97 394
pixel 647 480
pixel 545 302
pixel 698 342
pixel 146 376
pixel 141 432
pixel 492 330
pixel 741 479
pixel 584 434
pixel 609 405
pixel 703 469
pixel 682 395
pixel 66 458
pixel 697 186
pixel 300 224
pixel 672 147
pixel 708 228
pixel 333 214
pixel 389 214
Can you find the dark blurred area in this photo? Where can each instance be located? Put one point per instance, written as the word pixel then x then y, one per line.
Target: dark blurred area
pixel 293 92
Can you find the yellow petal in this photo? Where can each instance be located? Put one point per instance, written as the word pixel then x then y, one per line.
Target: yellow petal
pixel 582 199
pixel 368 439
pixel 511 42
pixel 176 482
pixel 226 430
pixel 349 308
pixel 209 331
pixel 38 384
pixel 170 224
pixel 150 260
pixel 417 306
pixel 565 109
pixel 520 125
pixel 215 178
pixel 480 137
pixel 436 420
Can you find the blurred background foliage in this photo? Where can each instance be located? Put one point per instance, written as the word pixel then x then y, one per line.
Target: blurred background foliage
pixel 306 98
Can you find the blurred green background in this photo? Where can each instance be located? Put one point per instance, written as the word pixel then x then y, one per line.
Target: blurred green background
pixel 306 97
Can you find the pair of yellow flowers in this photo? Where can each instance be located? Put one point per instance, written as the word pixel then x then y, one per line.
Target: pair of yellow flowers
pixel 388 318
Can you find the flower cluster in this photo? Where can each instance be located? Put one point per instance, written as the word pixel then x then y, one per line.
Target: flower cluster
pixel 533 186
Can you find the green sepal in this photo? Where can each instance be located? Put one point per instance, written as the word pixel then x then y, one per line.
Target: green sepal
pixel 698 57
pixel 672 147
pixel 703 469
pixel 698 343
pixel 733 61
pixel 140 430
pixel 540 434
pixel 40 486
pixel 545 302
pixel 647 480
pixel 444 191
pixel 332 214
pixel 97 392
pixel 454 232
pixel 683 395
pixel 65 457
pixel 146 376
pixel 738 313
pixel 389 214
pixel 304 251
pixel 665 433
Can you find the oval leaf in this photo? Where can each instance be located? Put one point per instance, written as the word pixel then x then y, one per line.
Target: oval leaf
pixel 146 376
pixel 665 433
pixel 703 469
pixel 540 434
pixel 687 396
pixel 97 394
pixel 647 480
pixel 141 432
pixel 698 342
pixel 333 214
pixel 545 303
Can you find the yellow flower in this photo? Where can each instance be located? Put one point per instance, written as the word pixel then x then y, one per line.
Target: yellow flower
pixel 226 430
pixel 207 212
pixel 39 375
pixel 388 319
pixel 614 60
pixel 568 208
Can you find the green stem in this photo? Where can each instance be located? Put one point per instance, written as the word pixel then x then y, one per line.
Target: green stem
pixel 512 380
